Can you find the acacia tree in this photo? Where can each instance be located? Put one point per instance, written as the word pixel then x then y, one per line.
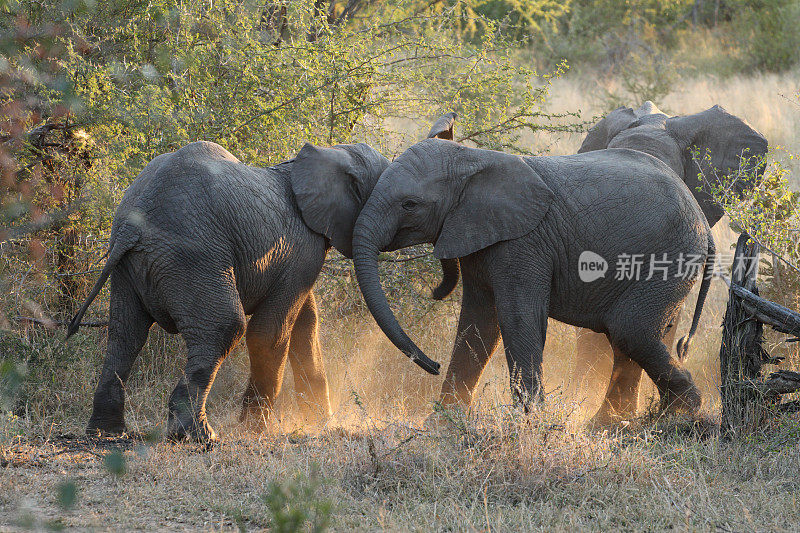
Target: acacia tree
pixel 141 78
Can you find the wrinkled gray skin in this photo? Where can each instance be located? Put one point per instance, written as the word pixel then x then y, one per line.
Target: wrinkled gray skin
pixel 671 140
pixel 199 242
pixel 518 226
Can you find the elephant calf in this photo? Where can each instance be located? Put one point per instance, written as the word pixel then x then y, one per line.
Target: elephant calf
pixel 521 227
pixel 199 242
pixel 730 142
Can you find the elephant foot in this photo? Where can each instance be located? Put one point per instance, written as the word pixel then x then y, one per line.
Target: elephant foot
pixel 608 415
pixel 96 429
pixel 256 409
pixel 687 401
pixel 196 429
pixel 257 418
pixel 605 420
pixel 106 425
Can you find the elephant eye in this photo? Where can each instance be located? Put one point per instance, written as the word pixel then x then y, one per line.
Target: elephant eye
pixel 409 205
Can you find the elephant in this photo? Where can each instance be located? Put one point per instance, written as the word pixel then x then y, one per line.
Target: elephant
pixel 519 228
pixel 731 143
pixel 199 242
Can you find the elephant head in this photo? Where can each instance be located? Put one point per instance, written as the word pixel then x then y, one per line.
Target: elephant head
pixel 331 186
pixel 676 141
pixel 622 118
pixel 458 198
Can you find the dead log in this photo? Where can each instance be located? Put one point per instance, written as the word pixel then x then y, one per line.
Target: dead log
pixel 747 397
pixel 771 387
pixel 741 355
pixel 780 382
pixel 774 315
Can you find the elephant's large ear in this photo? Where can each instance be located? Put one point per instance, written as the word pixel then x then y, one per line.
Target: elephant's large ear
pixel 331 186
pixel 443 128
pixel 601 133
pixel 726 137
pixel 502 199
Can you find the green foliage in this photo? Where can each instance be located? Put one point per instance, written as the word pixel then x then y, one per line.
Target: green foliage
pixel 215 73
pixel 643 36
pixel 115 463
pixel 11 380
pixel 67 494
pixel 606 30
pixel 767 32
pixel 758 200
pixel 137 79
pixel 294 506
pixel 767 209
pixel 521 18
pixel 11 428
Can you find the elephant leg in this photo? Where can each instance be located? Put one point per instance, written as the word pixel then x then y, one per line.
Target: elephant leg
pixel 268 337
pixel 673 381
pixel 622 397
pixel 522 311
pixel 128 327
pixel 208 342
pixel 593 361
pixel 477 338
pixel 308 366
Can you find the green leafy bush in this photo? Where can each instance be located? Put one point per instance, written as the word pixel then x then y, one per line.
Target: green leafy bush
pixel 295 505
pixel 767 32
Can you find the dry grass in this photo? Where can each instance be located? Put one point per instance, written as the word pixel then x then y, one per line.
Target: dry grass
pixel 492 475
pixel 372 463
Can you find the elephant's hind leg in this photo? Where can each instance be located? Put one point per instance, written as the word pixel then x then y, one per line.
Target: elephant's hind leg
pixel 268 336
pixel 208 342
pixel 308 366
pixel 674 382
pixel 594 359
pixel 622 396
pixel 128 326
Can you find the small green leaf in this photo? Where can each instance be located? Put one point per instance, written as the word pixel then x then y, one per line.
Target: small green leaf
pixel 67 494
pixel 114 462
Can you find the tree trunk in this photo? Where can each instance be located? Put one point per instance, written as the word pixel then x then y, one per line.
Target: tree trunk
pixel 741 354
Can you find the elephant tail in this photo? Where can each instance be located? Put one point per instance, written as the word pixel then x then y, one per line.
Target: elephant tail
pixel 683 343
pixel 120 242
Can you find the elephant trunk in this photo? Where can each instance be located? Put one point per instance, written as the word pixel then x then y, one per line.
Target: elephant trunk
pixel 365 260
